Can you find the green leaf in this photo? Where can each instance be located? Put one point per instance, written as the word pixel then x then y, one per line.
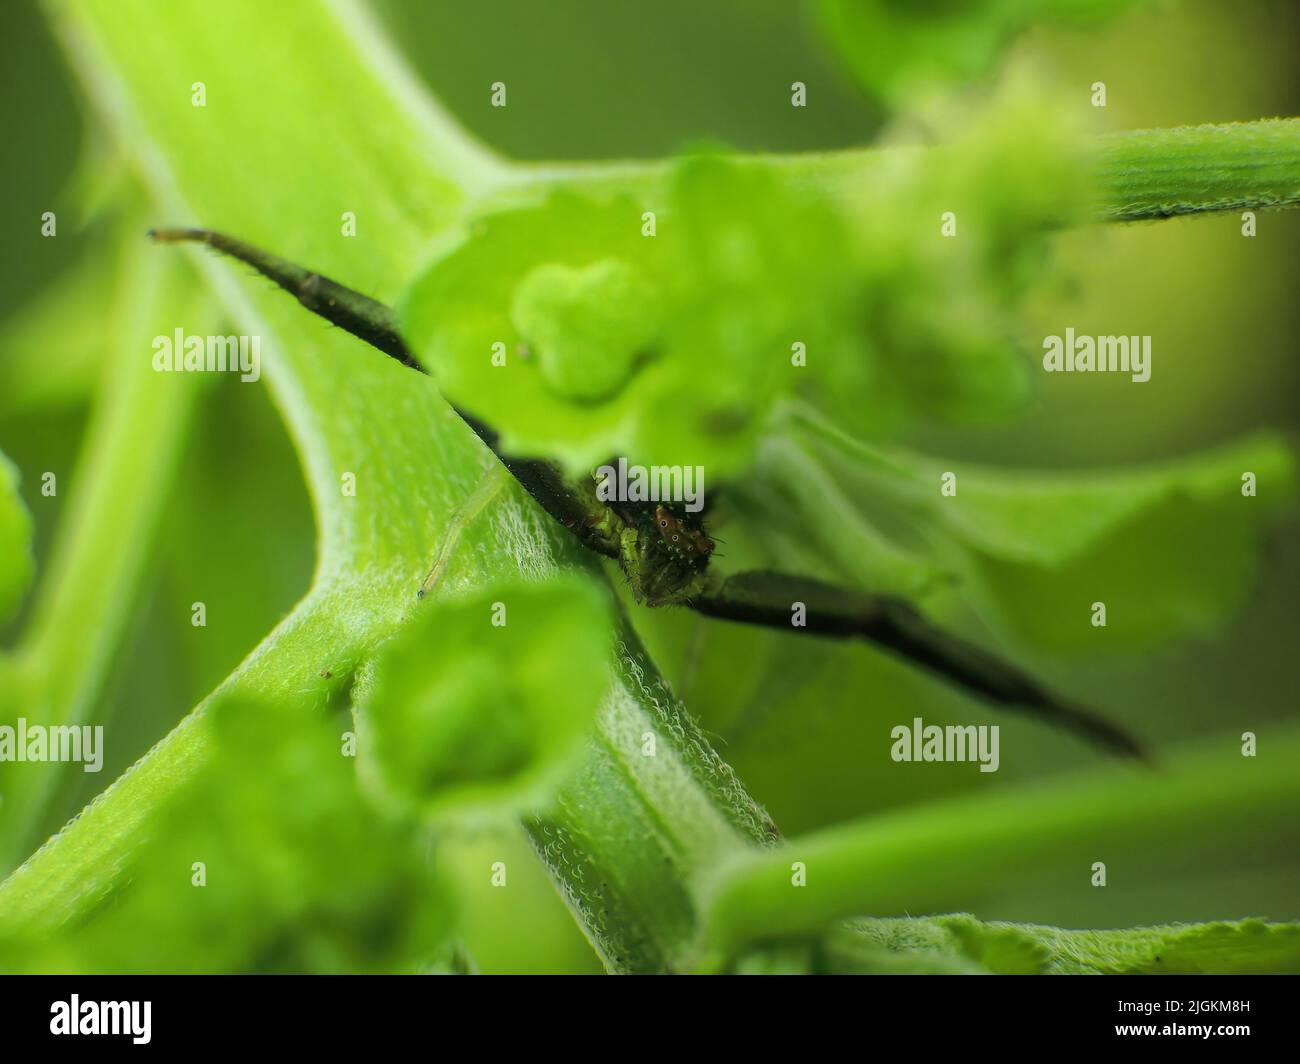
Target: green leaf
pixel 799 513
pixel 1049 520
pixel 267 859
pixel 52 349
pixel 16 564
pixel 668 347
pixel 1171 548
pixel 480 706
pixel 894 47
pixel 102 549
pixel 963 943
pixel 587 326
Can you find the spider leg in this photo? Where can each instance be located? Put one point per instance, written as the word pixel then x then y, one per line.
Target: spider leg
pixel 376 324
pixel 768 599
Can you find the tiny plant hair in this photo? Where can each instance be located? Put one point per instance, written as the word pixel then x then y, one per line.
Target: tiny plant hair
pixel 665 555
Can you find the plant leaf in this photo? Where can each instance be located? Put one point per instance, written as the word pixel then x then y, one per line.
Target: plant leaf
pixel 961 942
pixel 1172 548
pixel 16 564
pixel 481 706
pixel 895 47
pixel 272 837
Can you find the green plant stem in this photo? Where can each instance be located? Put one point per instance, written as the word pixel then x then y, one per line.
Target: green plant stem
pixel 653 808
pixel 904 862
pixel 1159 173
pixel 395 168
pixel 82 864
pixel 350 409
pixel 1144 174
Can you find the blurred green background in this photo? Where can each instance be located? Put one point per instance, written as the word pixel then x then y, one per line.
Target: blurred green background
pixel 606 81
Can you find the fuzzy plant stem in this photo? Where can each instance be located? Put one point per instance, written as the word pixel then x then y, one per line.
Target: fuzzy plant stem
pixel 902 862
pixel 1161 173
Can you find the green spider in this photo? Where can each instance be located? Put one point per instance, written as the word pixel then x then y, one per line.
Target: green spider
pixel 665 552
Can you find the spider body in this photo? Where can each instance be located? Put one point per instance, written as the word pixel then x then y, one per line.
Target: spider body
pixel 664 554
pixel 690 544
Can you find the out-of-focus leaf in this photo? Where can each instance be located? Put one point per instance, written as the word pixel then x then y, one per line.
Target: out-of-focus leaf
pixel 269 859
pixel 894 47
pixel 1171 549
pixel 51 351
pixel 963 943
pixel 669 347
pixel 16 565
pixel 794 514
pixel 1049 520
pixel 579 334
pixel 116 494
pixel 480 706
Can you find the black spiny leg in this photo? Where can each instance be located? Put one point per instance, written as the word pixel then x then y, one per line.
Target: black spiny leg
pixel 365 318
pixel 376 324
pixel 767 599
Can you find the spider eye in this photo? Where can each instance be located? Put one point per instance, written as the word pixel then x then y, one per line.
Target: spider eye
pixel 676 537
pixel 663 522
